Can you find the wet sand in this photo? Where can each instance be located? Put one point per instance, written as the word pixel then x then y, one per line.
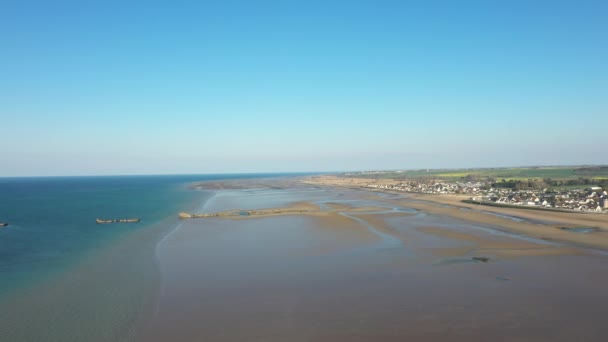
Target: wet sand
pixel 369 267
pixel 535 223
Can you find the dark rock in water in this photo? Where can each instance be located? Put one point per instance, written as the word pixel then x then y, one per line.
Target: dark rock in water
pixel 461 260
pixel 482 259
pixel 502 278
pixel 453 261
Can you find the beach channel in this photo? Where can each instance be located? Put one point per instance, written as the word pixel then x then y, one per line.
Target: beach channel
pixel 361 266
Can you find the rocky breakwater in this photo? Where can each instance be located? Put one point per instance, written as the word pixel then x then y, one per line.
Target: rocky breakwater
pixel 184 215
pixel 131 220
pixel 296 209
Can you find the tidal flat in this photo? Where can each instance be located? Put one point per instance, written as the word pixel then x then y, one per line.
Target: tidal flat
pixel 363 266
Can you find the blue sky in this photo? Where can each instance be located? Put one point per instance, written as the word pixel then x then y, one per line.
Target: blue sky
pixel 272 86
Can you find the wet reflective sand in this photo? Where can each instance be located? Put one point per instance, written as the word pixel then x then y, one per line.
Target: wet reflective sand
pixel 387 274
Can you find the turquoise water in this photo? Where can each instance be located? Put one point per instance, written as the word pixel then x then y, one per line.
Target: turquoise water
pixel 52 220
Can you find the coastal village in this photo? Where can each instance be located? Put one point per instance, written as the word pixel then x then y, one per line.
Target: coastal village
pixel 591 199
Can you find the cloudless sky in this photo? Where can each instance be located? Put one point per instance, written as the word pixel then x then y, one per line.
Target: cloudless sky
pixel 118 87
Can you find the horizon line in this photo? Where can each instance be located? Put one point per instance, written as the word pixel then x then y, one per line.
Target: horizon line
pixel 307 172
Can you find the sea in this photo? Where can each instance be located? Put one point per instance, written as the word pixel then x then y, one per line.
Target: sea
pixel 361 274
pixel 53 247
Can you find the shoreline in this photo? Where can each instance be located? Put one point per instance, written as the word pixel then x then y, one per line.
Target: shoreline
pixel 125 305
pixel 148 317
pixel 547 228
pixel 106 294
pixel 337 273
pixel 109 293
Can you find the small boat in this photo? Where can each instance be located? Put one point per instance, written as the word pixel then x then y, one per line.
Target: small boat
pixel 3 224
pixel 131 220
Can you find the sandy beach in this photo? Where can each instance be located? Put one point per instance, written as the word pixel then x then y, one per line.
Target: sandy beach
pixel 279 171
pixel 321 262
pixel 535 223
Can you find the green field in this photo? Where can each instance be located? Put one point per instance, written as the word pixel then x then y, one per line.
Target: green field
pixel 572 172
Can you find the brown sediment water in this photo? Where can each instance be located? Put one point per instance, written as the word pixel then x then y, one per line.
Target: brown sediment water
pixel 359 269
